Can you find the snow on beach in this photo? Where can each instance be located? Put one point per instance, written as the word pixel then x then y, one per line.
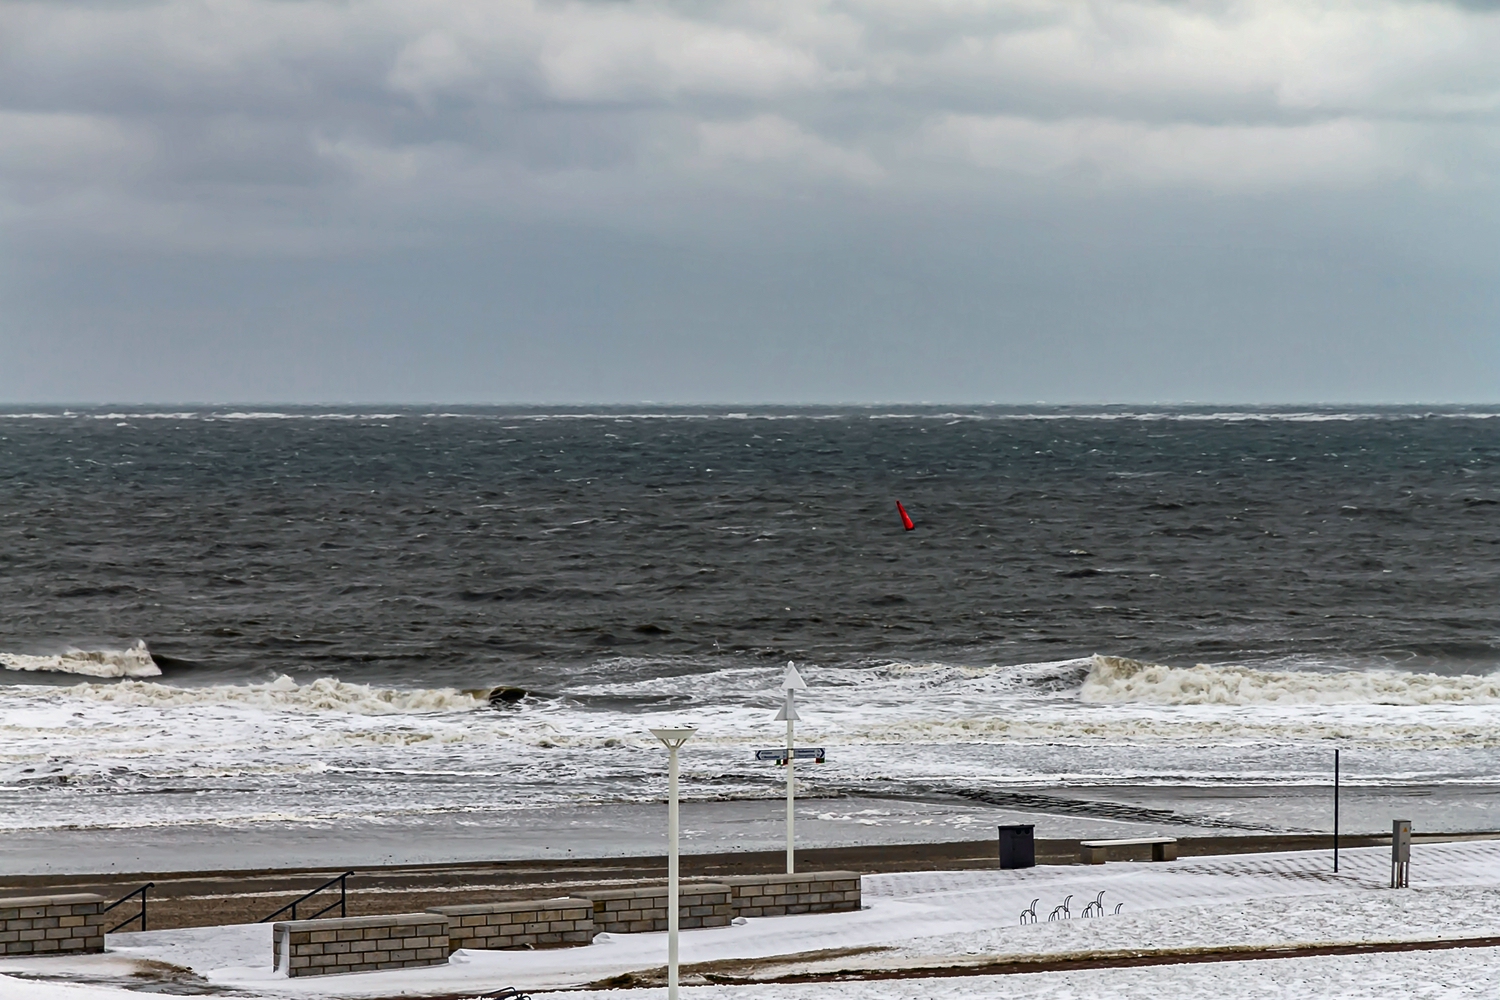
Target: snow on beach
pixel 1467 972
pixel 939 920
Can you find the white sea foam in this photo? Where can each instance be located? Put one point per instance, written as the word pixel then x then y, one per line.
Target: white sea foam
pixel 1115 680
pixel 339 750
pixel 326 694
pixel 134 661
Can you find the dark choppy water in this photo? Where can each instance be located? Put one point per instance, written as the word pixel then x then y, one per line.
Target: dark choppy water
pixel 514 545
pixel 323 588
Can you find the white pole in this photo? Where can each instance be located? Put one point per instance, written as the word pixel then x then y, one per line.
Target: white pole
pixel 791 790
pixel 790 685
pixel 672 739
pixel 672 874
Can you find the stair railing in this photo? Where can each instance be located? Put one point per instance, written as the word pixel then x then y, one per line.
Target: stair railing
pixel 141 892
pixel 341 902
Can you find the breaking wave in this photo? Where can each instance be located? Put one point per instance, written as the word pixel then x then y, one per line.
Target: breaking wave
pixel 1117 680
pixel 908 688
pixel 132 662
pixel 325 694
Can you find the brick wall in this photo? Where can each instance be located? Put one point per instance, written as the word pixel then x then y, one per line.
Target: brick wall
pixel 538 923
pixel 644 908
pixel 778 895
pixel 360 944
pixel 71 924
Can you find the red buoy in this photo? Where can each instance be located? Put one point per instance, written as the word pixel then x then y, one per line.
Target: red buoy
pixel 906 521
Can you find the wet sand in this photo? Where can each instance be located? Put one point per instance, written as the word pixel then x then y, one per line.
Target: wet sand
pixel 551 835
pixel 584 830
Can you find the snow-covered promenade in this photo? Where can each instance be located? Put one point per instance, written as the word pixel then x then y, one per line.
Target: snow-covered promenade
pixel 944 927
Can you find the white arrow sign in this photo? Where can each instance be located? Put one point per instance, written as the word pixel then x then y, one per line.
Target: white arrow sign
pixel 792 681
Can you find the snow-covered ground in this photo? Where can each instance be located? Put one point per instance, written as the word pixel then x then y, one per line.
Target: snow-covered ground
pixel 944 919
pixel 1444 974
pixel 1423 975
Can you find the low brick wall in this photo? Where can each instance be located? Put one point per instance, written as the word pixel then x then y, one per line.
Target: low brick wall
pixel 33 925
pixel 644 907
pixel 536 923
pixel 360 944
pixel 778 895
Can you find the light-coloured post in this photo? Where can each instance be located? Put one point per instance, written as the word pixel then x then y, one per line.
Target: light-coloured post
pixel 672 739
pixel 790 684
pixel 791 794
pixel 672 889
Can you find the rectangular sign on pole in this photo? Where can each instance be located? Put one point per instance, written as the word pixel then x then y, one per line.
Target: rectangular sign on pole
pixel 800 753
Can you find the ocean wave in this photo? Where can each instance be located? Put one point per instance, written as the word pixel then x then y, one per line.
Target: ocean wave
pixel 326 694
pixel 881 693
pixel 880 682
pixel 814 414
pixel 1041 677
pixel 1195 416
pixel 1116 680
pixel 134 661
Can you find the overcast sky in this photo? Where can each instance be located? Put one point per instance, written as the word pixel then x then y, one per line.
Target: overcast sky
pixel 867 200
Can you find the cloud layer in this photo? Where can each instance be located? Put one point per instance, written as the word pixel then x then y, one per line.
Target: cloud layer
pixel 316 130
pixel 245 110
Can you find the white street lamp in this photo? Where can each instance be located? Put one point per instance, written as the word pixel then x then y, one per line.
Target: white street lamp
pixel 672 739
pixel 790 684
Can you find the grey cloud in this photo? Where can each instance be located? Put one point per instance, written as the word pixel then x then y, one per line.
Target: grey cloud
pixel 564 86
pixel 358 140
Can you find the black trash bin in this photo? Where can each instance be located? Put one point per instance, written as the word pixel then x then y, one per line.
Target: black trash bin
pixel 1018 846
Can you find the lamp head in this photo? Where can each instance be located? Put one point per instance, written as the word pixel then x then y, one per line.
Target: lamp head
pixel 674 736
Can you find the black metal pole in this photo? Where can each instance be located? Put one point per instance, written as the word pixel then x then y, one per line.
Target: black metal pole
pixel 1335 810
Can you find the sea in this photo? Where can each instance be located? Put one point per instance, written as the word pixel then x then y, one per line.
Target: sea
pixel 236 637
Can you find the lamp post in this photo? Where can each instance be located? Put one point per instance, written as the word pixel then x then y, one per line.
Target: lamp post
pixel 1335 810
pixel 672 739
pixel 790 684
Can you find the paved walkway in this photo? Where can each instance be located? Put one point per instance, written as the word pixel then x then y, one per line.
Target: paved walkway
pixel 926 919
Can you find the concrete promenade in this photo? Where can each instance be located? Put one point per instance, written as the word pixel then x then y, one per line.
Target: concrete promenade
pixel 207 898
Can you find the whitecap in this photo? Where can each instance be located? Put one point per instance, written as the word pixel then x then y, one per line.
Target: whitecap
pixel 134 661
pixel 326 694
pixel 1116 679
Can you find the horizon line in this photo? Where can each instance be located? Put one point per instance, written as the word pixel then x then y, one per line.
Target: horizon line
pixel 6 406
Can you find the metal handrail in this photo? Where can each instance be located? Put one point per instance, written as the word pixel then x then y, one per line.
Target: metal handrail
pixel 141 892
pixel 341 903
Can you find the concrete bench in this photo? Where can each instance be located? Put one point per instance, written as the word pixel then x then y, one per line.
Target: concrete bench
pixel 1162 848
pixel 71 924
pixel 777 895
pixel 529 923
pixel 359 944
pixel 644 907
